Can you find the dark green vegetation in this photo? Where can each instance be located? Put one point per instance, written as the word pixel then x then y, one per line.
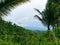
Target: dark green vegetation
pixel 7 5
pixel 50 17
pixel 15 35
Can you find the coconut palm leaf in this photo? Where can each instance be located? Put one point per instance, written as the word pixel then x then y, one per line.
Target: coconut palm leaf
pixel 38 17
pixel 7 5
pixel 38 11
pixel 41 13
pixel 43 20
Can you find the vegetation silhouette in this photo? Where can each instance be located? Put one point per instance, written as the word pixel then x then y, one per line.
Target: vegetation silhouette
pixel 50 17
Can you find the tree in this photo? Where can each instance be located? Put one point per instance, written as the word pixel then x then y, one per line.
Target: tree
pixel 49 15
pixel 44 19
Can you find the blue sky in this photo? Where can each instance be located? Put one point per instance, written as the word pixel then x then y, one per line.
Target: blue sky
pixel 23 15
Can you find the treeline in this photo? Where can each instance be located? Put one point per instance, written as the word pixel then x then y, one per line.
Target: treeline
pixel 16 35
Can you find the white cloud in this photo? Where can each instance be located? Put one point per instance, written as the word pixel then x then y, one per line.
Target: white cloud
pixel 23 14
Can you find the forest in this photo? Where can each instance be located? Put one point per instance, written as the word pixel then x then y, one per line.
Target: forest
pixel 11 34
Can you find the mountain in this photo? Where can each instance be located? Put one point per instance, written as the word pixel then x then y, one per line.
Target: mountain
pixel 38 31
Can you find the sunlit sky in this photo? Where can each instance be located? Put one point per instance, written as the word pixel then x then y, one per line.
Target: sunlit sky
pixel 23 15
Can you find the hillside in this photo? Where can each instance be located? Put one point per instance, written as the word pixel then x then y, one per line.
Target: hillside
pixel 15 35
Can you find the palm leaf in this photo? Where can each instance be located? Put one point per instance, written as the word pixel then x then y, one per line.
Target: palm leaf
pixel 38 17
pixel 41 19
pixel 6 6
pixel 38 11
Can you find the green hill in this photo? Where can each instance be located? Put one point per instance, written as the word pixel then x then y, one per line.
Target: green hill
pixel 15 35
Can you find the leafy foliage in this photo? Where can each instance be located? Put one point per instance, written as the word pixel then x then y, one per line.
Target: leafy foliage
pixel 7 5
pixel 15 34
pixel 57 32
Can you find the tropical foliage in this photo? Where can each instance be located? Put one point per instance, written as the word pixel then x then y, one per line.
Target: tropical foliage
pixel 7 5
pixel 11 34
pixel 16 35
pixel 50 17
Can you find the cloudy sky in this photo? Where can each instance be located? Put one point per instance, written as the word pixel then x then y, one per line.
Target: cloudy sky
pixel 23 15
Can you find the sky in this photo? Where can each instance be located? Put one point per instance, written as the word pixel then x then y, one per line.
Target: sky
pixel 23 15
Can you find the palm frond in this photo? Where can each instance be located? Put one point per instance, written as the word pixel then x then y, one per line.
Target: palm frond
pixel 8 4
pixel 41 13
pixel 38 17
pixel 42 20
pixel 38 11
